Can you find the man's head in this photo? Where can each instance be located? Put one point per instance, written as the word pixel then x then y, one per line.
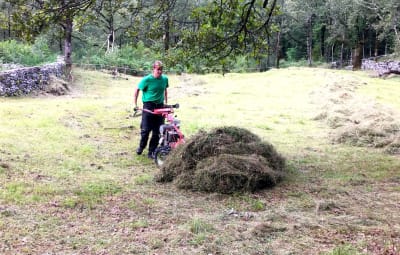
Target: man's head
pixel 157 68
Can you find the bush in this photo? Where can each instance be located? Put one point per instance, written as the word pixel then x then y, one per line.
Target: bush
pixel 138 58
pixel 14 52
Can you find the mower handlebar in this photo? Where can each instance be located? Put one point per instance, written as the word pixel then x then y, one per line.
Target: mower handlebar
pixel 176 106
pixel 136 109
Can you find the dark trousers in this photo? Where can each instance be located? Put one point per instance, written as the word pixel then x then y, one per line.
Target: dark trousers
pixel 150 124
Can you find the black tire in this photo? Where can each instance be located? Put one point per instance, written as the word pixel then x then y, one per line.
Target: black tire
pixel 160 156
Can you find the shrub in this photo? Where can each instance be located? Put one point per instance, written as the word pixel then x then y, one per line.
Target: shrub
pixel 14 52
pixel 137 58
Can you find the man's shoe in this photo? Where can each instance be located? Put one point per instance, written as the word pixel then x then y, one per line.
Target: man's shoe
pixel 139 151
pixel 151 155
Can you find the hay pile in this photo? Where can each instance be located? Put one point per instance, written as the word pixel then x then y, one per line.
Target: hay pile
pixel 225 160
pixel 357 121
pixel 57 86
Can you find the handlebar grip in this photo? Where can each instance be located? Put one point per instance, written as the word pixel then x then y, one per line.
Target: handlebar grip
pixel 176 106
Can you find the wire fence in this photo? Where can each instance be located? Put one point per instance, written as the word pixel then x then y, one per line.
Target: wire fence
pixel 135 72
pixel 112 69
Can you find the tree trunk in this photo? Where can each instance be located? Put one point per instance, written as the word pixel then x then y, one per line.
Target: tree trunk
pixel 323 31
pixel 60 44
pixel 357 57
pixel 279 35
pixel 397 43
pixel 386 48
pixel 268 52
pixel 68 47
pixel 110 41
pixel 9 26
pixel 278 48
pixel 376 46
pixel 309 41
pixel 342 52
pixel 167 32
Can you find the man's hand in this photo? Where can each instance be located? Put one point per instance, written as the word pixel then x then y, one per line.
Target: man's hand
pixel 135 111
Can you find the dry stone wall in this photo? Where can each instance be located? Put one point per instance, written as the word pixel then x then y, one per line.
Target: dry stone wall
pixel 382 67
pixel 25 80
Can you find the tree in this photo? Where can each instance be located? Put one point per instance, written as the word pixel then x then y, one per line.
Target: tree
pixel 115 17
pixel 37 16
pixel 5 18
pixel 160 14
pixel 385 21
pixel 165 19
pixel 212 34
pixel 306 14
pixel 227 28
pixel 278 48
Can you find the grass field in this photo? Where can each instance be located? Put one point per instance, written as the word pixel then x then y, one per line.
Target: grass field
pixel 70 182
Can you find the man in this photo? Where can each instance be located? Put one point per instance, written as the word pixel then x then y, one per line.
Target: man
pixel 154 94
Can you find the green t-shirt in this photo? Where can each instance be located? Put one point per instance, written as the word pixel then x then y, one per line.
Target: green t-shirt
pixel 153 89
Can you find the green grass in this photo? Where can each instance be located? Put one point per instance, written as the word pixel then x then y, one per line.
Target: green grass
pixel 71 183
pixel 343 250
pixel 384 91
pixel 198 226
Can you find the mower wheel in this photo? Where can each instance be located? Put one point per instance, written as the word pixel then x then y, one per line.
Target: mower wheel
pixel 160 156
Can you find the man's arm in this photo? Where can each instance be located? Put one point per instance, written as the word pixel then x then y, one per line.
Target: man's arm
pixel 135 97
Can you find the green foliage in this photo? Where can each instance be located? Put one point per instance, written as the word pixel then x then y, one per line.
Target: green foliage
pixel 139 59
pixel 292 54
pixel 41 50
pixel 204 36
pixel 136 57
pixel 298 63
pixel 180 62
pixel 242 64
pixel 26 54
pixel 229 28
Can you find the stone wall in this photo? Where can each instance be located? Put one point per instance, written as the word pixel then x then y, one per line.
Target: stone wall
pixel 382 67
pixel 28 79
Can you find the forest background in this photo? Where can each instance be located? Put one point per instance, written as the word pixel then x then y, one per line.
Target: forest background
pixel 199 36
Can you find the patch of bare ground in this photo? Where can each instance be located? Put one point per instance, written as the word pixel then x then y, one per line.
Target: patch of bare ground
pixel 304 222
pixel 355 120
